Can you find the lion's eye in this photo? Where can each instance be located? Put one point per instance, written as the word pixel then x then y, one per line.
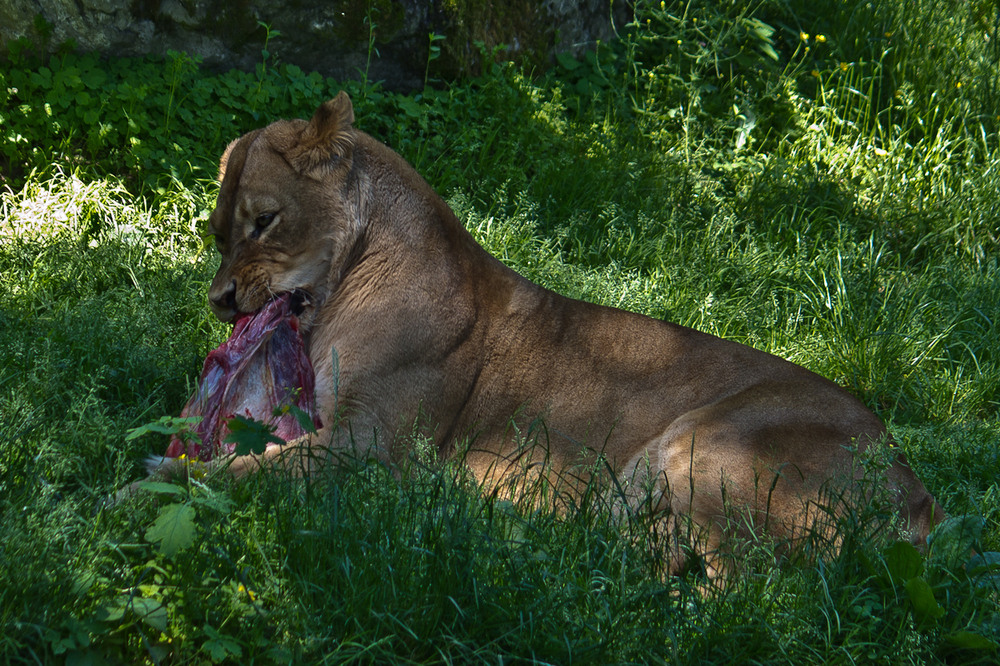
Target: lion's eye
pixel 262 222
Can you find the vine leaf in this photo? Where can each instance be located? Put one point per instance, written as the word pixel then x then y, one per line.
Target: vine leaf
pixel 250 436
pixel 173 528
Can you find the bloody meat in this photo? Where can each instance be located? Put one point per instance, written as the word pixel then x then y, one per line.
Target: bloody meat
pixel 260 368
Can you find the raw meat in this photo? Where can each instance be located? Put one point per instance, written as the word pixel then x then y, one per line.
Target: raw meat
pixel 262 366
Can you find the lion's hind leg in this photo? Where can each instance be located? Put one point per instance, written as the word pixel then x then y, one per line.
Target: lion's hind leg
pixel 728 488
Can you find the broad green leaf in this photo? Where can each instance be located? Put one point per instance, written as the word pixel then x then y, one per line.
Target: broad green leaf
pixel 94 78
pixel 214 501
pixel 220 646
pixel 903 562
pixel 969 640
pixel 567 61
pixel 952 541
pixel 162 487
pixel 410 107
pixel 166 425
pixel 250 436
pixel 173 528
pixel 925 606
pixel 150 611
pixel 112 612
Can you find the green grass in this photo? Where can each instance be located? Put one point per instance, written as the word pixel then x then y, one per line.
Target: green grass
pixel 835 206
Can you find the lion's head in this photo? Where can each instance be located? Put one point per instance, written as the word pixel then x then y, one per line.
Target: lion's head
pixel 283 221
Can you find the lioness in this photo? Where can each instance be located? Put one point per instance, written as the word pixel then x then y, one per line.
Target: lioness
pixel 427 325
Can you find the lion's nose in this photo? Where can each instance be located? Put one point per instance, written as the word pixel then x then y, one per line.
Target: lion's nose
pixel 224 301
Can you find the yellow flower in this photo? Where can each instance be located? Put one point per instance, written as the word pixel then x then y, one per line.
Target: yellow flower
pixel 194 467
pixel 844 66
pixel 663 5
pixel 958 85
pixel 804 36
pixel 815 73
pixel 249 593
pixel 821 39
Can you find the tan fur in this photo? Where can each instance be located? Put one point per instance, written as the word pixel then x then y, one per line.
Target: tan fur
pixel 426 324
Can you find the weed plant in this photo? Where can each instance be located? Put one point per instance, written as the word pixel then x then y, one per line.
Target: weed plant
pixel 816 179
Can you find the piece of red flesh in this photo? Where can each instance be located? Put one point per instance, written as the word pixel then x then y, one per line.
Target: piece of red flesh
pixel 263 365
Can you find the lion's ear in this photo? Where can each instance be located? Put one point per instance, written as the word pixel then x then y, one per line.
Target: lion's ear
pixel 224 162
pixel 235 154
pixel 326 139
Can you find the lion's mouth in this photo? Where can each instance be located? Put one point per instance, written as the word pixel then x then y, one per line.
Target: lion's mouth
pixel 299 301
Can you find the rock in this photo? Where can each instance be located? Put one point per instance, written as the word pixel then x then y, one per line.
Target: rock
pixel 386 40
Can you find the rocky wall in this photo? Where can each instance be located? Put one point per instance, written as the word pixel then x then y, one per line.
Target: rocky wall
pixel 381 39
